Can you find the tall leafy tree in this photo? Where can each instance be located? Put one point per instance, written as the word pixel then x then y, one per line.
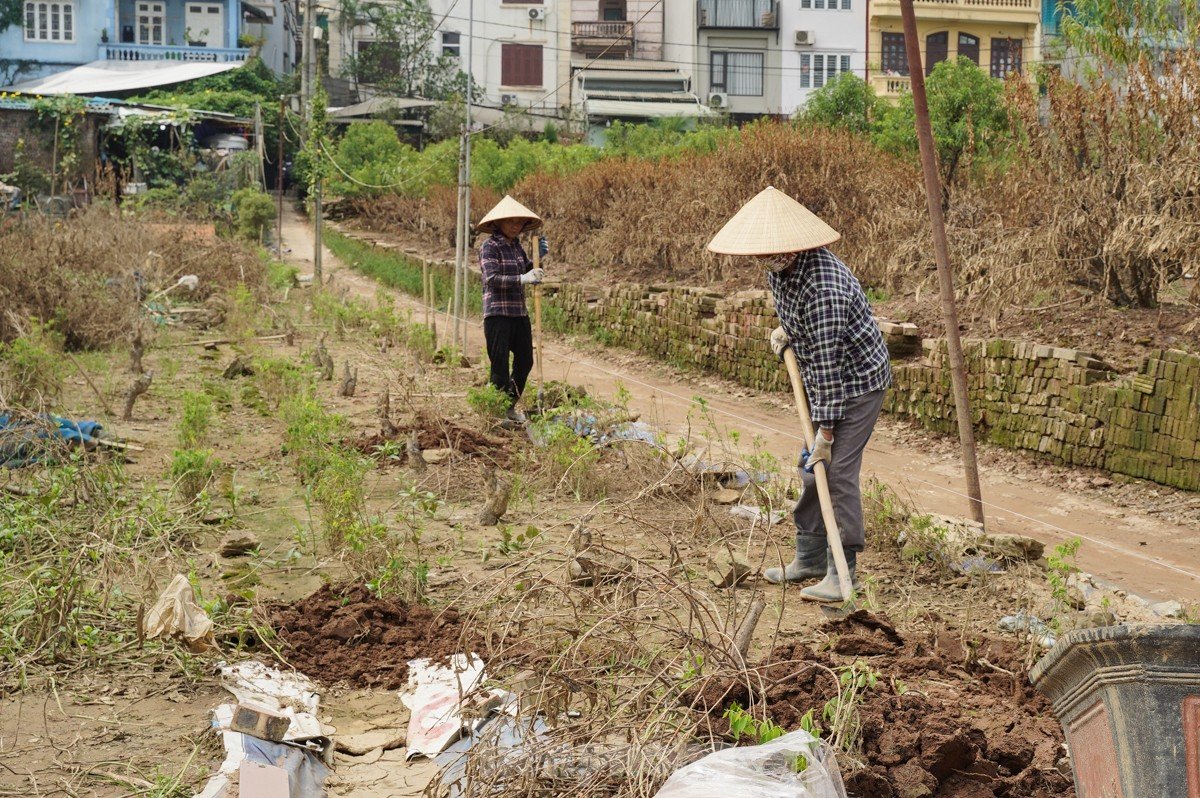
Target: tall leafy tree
pixel 402 59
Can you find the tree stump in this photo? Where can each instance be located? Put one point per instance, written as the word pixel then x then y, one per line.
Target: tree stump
pixel 349 380
pixel 139 387
pixel 137 347
pixel 386 428
pixel 415 460
pixel 496 504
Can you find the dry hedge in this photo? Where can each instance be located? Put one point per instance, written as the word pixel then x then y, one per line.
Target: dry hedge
pixel 82 274
pixel 1098 191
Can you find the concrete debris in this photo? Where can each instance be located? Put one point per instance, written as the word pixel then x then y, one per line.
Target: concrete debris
pixel 750 512
pixel 726 570
pixel 726 496
pixel 1028 624
pixel 435 456
pixel 238 544
pixel 1168 609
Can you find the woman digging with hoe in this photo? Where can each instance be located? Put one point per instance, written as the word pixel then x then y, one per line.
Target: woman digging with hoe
pixel 506 271
pixel 827 327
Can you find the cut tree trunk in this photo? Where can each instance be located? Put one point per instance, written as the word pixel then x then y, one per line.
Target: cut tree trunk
pixel 139 387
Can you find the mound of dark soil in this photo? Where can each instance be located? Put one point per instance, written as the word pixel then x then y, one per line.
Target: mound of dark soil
pixel 349 635
pixel 934 725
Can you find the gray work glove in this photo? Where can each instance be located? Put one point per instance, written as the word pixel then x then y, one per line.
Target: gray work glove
pixel 779 342
pixel 822 451
pixel 533 276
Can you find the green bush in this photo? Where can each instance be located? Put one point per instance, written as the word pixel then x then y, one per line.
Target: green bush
pixel 254 211
pixel 196 419
pixel 489 401
pixel 966 112
pixel 192 470
pixel 32 370
pixel 847 102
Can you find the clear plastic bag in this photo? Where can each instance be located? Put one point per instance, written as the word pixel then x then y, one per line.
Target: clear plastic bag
pixel 796 765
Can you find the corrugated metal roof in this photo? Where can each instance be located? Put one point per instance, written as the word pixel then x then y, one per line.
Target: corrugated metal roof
pixel 378 105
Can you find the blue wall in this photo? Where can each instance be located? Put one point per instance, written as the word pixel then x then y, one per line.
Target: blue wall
pixel 91 18
pixel 176 16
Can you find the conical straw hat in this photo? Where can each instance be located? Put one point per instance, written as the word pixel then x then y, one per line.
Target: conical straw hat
pixel 772 224
pixel 508 208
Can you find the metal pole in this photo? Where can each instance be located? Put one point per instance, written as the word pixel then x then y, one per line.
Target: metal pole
pixel 933 201
pixel 279 180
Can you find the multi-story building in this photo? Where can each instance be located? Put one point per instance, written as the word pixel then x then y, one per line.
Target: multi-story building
pixel 740 56
pixel 820 39
pixel 1001 36
pixel 520 54
pixel 57 35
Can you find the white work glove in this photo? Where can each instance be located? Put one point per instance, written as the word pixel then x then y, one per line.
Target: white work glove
pixel 822 450
pixel 779 342
pixel 533 277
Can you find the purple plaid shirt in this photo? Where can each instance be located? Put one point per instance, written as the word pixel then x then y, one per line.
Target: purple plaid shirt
pixel 503 262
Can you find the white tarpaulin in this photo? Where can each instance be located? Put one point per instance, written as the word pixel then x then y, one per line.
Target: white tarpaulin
pixel 100 77
pixel 649 110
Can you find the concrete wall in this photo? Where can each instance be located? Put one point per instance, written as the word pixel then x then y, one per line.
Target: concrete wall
pixel 91 17
pixel 838 32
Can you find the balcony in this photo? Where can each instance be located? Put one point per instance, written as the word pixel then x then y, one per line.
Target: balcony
pixel 891 86
pixel 613 36
pixel 1027 12
pixel 747 14
pixel 152 52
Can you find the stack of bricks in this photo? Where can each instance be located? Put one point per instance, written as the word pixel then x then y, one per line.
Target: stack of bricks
pixel 1066 405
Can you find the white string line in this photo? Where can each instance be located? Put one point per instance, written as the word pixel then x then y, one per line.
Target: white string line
pixel 572 358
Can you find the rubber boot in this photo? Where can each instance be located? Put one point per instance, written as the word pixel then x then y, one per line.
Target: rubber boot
pixel 828 590
pixel 808 564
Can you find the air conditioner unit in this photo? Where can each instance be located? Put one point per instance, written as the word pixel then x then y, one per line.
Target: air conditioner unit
pixel 508 99
pixel 806 37
pixel 537 14
pixel 718 99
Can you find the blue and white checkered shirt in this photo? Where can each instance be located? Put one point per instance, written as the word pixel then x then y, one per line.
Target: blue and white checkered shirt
pixel 825 313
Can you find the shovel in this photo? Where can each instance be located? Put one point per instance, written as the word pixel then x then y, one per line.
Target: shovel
pixel 806 428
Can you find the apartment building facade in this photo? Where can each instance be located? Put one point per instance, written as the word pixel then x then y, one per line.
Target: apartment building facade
pixel 1001 36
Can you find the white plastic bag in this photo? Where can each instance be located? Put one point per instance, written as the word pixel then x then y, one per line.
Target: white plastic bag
pixel 761 771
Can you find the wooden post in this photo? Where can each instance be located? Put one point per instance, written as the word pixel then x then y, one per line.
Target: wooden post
pixel 941 253
pixel 806 429
pixel 537 315
pixel 425 288
pixel 279 181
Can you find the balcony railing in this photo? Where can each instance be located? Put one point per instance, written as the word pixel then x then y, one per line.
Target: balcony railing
pixel 603 30
pixel 153 52
pixel 891 85
pixel 763 14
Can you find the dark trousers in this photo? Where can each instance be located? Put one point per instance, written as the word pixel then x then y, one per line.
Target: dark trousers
pixel 505 336
pixel 850 436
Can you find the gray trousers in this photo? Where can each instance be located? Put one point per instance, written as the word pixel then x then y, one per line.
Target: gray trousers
pixel 849 441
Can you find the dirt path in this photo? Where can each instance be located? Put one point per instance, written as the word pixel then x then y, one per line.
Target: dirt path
pixel 1144 554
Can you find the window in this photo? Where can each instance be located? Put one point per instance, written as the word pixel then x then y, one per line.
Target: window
pixel 377 60
pixel 151 23
pixel 1006 57
pixel 832 5
pixel 737 74
pixel 968 46
pixel 893 57
pixel 451 44
pixel 612 10
pixel 49 22
pixel 937 48
pixel 521 65
pixel 817 69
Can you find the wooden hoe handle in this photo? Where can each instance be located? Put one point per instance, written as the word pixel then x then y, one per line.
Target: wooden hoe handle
pixel 806 427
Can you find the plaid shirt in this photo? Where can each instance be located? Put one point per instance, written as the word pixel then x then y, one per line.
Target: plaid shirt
pixel 825 313
pixel 503 262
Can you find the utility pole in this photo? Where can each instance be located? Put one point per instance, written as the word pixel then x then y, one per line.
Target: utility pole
pixel 941 253
pixel 306 50
pixel 460 243
pixel 467 179
pixel 279 180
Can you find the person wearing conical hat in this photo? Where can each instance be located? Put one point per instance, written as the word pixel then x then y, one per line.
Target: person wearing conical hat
pixel 506 271
pixel 824 317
